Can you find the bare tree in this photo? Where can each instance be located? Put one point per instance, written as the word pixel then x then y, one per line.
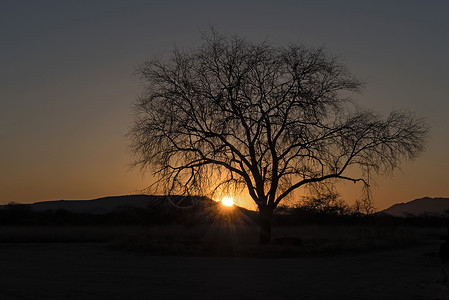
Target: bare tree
pixel 268 119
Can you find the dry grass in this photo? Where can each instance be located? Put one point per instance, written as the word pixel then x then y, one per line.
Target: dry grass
pixel 64 234
pixel 226 239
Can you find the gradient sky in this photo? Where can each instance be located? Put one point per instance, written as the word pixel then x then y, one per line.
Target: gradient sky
pixel 66 89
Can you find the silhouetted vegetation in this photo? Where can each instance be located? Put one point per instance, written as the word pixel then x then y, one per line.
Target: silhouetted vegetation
pixel 22 214
pixel 303 214
pixel 217 230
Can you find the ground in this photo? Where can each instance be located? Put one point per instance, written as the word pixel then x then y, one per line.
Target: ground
pixel 95 271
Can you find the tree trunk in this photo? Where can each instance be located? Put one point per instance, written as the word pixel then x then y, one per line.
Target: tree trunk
pixel 265 216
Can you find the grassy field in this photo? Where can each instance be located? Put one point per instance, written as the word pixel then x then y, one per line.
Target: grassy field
pixel 95 271
pixel 222 261
pixel 227 239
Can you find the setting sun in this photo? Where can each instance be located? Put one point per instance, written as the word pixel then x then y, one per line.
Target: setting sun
pixel 227 201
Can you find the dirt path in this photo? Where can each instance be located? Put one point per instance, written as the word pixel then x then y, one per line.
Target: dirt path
pixel 91 271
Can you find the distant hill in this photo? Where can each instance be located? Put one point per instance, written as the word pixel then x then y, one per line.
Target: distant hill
pixel 426 205
pixel 124 210
pixel 108 204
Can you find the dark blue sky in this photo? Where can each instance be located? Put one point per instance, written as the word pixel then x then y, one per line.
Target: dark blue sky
pixel 66 88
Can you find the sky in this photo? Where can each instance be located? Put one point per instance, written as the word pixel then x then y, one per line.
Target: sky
pixel 67 90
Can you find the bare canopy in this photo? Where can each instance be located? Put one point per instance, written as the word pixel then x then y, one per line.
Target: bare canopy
pixel 265 118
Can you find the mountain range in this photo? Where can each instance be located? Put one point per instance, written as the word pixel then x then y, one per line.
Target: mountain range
pixel 426 205
pixel 108 204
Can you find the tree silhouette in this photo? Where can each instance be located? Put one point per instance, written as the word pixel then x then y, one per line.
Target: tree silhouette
pixel 232 113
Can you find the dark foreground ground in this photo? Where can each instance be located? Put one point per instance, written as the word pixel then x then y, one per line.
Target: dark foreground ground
pixel 94 271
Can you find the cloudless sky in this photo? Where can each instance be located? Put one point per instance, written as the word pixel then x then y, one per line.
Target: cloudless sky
pixel 66 89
